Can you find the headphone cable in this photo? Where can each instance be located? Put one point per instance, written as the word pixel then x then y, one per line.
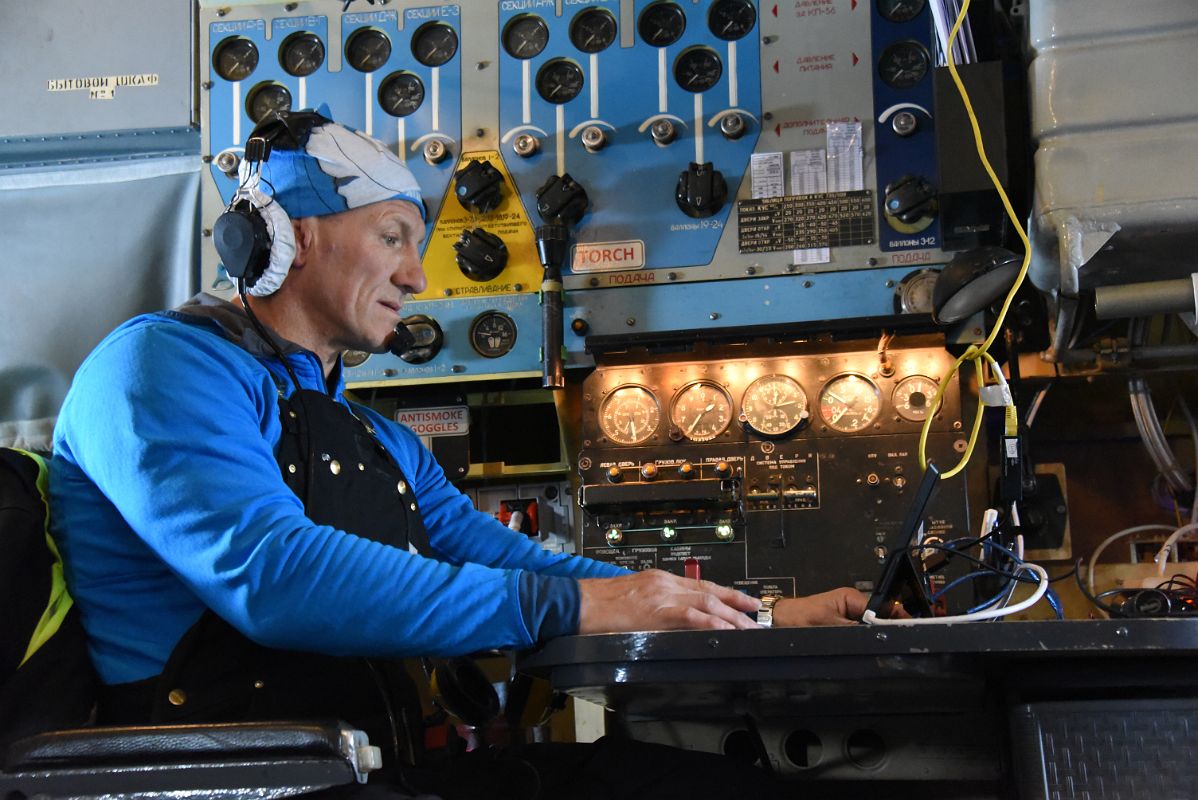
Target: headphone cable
pixel 309 459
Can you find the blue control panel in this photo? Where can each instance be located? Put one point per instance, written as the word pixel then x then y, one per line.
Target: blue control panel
pixel 397 76
pixel 903 54
pixel 589 94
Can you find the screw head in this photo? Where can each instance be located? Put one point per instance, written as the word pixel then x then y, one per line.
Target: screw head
pixel 593 138
pixel 733 126
pixel 435 151
pixel 904 123
pixel 526 145
pixel 663 132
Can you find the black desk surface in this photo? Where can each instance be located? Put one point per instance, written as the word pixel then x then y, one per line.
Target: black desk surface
pixel 684 673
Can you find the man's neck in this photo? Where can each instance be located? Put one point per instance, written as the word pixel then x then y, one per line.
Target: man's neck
pixel 291 323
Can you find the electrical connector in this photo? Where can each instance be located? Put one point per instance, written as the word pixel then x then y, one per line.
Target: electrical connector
pixel 996 396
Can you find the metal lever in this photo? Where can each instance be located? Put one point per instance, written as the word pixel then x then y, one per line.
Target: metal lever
pixel 553 243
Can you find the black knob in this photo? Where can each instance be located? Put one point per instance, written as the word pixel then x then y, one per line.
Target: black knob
pixel 562 199
pixel 553 245
pixel 478 187
pixel 701 190
pixel 480 255
pixel 910 199
pixel 427 338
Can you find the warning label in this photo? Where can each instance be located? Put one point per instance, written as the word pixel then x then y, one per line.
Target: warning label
pixel 832 219
pixel 443 421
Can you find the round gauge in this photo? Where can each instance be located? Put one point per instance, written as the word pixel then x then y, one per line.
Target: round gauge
pixel 354 358
pixel 559 81
pixel 900 10
pixel 662 24
pixel 367 49
pixel 301 54
pixel 492 334
pixel 774 405
pixel 629 415
pixel 914 292
pixel 701 411
pixel 266 98
pixel 904 64
pixel 235 58
pixel 593 30
pixel 731 19
pixel 913 397
pixel 434 44
pixel 849 403
pixel 401 93
pixel 525 36
pixel 698 69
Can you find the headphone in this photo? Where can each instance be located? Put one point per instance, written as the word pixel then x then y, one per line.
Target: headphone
pixel 254 232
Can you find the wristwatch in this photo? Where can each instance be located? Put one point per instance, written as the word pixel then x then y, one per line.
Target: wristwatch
pixel 765 615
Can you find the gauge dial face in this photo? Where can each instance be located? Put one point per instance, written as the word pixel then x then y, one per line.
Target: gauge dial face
pixel 235 58
pixel 559 81
pixel 913 397
pixel 492 334
pixel 367 49
pixel 301 54
pixel 900 10
pixel 731 19
pixel 354 358
pixel 435 44
pixel 701 411
pixel 401 94
pixel 266 98
pixel 525 36
pixel 593 30
pixel 914 292
pixel 629 415
pixel 849 403
pixel 662 24
pixel 774 405
pixel 698 69
pixel 904 64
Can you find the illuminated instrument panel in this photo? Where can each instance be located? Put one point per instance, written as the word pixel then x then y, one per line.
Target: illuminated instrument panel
pixel 775 468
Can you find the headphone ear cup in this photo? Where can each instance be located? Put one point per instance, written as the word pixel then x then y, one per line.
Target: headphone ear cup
pixel 242 241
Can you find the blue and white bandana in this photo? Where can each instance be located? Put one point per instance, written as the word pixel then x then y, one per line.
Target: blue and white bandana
pixel 338 169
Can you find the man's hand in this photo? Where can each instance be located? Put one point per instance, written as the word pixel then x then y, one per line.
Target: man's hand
pixel 842 606
pixel 658 601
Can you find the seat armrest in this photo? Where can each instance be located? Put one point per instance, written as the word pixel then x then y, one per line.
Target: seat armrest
pixel 178 757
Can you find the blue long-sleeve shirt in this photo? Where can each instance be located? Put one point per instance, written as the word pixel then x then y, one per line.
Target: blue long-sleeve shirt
pixel 166 499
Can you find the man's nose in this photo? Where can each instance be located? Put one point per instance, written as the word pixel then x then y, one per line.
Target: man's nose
pixel 410 273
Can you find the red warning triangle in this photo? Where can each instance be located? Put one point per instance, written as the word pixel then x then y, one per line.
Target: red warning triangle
pixel 855 59
pixel 775 66
pixel 778 129
pixel 854 5
pixel 775 10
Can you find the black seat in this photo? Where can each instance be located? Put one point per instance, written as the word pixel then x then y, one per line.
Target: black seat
pixel 47 683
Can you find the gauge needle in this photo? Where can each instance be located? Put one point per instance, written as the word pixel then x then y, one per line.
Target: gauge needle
pixel 691 428
pixel 836 417
pixel 632 428
pixel 837 397
pixel 787 403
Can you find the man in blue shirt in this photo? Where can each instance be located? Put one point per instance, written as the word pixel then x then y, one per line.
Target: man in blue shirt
pixel 244 543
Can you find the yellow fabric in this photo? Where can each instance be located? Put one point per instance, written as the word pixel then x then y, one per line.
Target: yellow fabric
pixel 60 600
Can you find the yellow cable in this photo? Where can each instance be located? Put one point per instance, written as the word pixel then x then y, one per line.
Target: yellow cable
pixel 977 352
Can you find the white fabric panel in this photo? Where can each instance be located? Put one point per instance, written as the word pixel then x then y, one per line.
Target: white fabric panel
pixel 81 251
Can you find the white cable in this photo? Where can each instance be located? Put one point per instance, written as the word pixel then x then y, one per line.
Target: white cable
pixel 870 618
pixel 1185 409
pixel 1162 555
pixel 1113 537
pixel 1018 556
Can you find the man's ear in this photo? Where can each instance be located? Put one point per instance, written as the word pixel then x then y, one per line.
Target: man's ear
pixel 305 235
